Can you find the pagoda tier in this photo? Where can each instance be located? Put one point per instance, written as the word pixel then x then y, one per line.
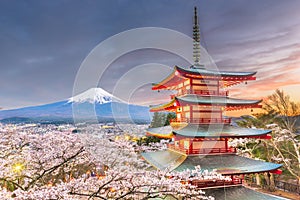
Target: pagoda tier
pixel 225 164
pixel 238 192
pixel 208 131
pixel 226 103
pixel 202 77
pixel 197 109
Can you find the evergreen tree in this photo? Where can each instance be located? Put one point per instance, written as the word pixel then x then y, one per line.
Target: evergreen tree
pixel 158 120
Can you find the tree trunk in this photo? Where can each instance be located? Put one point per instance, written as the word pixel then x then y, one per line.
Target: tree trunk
pixel 267 179
pixel 257 177
pixel 272 182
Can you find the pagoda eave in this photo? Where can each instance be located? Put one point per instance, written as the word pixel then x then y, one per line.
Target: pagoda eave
pixel 230 106
pixel 180 74
pixel 219 131
pixel 192 99
pixel 207 74
pixel 172 80
pixel 164 132
pixel 160 136
pixel 229 164
pixel 164 107
pixel 228 103
pixel 221 136
pixel 169 109
pixel 238 192
pixel 167 85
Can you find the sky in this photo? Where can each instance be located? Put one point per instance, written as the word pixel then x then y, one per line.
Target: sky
pixel 45 44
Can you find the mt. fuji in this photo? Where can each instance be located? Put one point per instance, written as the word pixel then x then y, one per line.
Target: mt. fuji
pixel 93 105
pixel 94 95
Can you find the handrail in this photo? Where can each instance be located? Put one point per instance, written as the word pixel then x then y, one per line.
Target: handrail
pixel 205 183
pixel 203 150
pixel 204 92
pixel 203 120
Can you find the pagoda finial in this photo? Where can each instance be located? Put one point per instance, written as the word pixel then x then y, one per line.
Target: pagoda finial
pixel 196 40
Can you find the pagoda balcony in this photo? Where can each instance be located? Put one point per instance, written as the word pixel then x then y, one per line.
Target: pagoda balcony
pixel 217 183
pixel 203 120
pixel 205 151
pixel 204 92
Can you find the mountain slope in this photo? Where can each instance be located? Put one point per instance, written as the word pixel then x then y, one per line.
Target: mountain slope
pixel 94 103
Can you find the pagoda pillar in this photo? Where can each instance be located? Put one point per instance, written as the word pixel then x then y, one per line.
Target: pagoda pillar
pixel 218 87
pixel 191 113
pixel 191 146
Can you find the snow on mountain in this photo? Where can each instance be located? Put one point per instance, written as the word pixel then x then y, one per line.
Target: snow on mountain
pixel 94 95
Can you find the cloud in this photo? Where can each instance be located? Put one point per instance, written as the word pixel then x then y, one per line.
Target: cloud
pixel 43 43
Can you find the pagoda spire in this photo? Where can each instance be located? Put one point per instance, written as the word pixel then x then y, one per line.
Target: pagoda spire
pixel 196 40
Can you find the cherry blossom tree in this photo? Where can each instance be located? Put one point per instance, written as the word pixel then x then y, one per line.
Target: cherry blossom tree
pixel 62 165
pixel 286 149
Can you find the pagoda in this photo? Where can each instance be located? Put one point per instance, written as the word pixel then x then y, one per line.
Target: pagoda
pixel 200 133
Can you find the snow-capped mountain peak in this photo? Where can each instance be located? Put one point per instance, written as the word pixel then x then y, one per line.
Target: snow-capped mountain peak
pixel 94 95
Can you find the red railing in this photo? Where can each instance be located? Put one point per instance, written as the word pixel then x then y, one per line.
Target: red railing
pixel 202 150
pixel 204 92
pixel 203 120
pixel 216 183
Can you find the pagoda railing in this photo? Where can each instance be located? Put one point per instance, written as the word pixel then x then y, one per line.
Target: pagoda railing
pixel 216 183
pixel 203 120
pixel 202 150
pixel 204 92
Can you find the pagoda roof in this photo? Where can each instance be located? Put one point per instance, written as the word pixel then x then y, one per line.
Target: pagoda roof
pixel 218 130
pixel 179 74
pixel 206 72
pixel 238 192
pixel 204 100
pixel 207 131
pixel 214 100
pixel 163 106
pixel 227 164
pixel 161 132
pixel 164 159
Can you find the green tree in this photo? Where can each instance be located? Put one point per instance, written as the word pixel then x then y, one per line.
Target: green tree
pixel 159 119
pixel 170 116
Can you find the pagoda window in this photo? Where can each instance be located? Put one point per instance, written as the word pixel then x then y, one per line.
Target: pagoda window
pixel 197 87
pixel 187 82
pixel 197 81
pixel 197 145
pixel 186 144
pixel 187 115
pixel 210 115
pixel 196 115
pixel 180 91
pixel 186 108
pixel 180 85
pixel 196 108
pixel 213 144
pixel 176 143
pixel 178 116
pixel 209 144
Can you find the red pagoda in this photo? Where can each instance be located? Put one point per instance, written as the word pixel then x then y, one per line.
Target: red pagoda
pixel 201 132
